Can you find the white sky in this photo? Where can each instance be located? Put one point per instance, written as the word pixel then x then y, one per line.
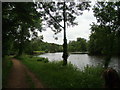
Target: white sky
pixel 81 30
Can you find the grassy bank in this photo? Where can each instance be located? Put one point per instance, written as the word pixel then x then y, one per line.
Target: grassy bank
pixel 6 66
pixel 54 75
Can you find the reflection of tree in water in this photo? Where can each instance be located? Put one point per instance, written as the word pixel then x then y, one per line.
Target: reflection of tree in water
pixel 114 63
pixel 107 61
pixel 96 60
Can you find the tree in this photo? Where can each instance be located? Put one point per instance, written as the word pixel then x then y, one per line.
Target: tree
pixel 8 25
pixel 100 40
pixel 34 44
pixel 56 12
pixel 77 46
pixel 20 21
pixel 104 37
pixel 37 44
pixel 83 44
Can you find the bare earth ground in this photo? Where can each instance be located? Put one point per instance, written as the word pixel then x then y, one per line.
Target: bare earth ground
pixel 17 78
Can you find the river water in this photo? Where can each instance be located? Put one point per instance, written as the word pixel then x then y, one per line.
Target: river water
pixel 81 60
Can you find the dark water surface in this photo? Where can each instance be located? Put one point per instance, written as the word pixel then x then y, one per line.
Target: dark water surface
pixel 81 60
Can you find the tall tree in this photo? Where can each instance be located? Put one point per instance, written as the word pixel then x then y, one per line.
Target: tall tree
pixel 104 37
pixel 20 21
pixel 55 13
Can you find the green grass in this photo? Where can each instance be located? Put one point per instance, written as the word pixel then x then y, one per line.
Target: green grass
pixel 39 59
pixel 6 66
pixel 38 52
pixel 54 75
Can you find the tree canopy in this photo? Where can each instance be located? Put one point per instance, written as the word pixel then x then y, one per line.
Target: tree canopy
pixel 52 13
pixel 105 37
pixel 20 22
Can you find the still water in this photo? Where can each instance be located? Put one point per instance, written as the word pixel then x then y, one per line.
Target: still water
pixel 81 60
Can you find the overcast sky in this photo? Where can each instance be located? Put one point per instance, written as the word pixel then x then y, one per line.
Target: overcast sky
pixel 81 30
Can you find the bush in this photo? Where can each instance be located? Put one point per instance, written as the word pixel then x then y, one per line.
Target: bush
pixel 45 60
pixel 40 59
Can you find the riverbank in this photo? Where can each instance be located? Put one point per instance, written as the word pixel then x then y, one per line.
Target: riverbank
pixel 54 75
pixel 78 52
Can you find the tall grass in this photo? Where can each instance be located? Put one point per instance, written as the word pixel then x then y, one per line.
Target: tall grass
pixel 54 75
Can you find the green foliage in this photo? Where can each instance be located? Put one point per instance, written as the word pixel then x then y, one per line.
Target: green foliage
pixel 43 47
pixel 20 21
pixel 77 46
pixel 23 20
pixel 6 66
pixel 56 12
pixel 100 40
pixel 41 59
pixel 55 75
pixel 104 37
pixel 45 60
pixel 52 13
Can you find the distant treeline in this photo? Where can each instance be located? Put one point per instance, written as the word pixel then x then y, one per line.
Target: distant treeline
pixel 77 46
pixel 73 46
pixel 39 45
pixel 98 44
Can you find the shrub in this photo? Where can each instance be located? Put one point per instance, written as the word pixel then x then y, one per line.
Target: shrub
pixel 45 60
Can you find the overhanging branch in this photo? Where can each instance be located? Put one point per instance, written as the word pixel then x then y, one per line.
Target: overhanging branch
pixel 53 18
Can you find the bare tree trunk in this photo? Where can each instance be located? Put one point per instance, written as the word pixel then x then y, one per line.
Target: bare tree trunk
pixel 65 54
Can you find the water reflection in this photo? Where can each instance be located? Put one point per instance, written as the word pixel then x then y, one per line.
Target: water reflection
pixel 115 63
pixel 52 56
pixel 81 60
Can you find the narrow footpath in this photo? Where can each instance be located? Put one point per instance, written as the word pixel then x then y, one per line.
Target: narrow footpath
pixel 17 77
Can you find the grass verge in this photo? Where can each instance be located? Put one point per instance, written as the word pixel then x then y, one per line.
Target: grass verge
pixel 54 75
pixel 6 66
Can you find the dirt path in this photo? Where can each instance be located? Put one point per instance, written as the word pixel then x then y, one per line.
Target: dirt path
pixel 17 78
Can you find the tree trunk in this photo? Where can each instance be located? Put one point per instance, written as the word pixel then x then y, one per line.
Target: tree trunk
pixel 21 42
pixel 65 54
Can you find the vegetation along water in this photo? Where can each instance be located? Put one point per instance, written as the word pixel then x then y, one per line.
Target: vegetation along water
pixel 22 23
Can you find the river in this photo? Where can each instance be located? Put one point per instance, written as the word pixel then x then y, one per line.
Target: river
pixel 81 60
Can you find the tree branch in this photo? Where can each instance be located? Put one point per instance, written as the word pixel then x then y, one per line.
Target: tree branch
pixel 53 18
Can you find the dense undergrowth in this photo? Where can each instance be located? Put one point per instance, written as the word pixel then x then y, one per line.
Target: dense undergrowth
pixel 54 75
